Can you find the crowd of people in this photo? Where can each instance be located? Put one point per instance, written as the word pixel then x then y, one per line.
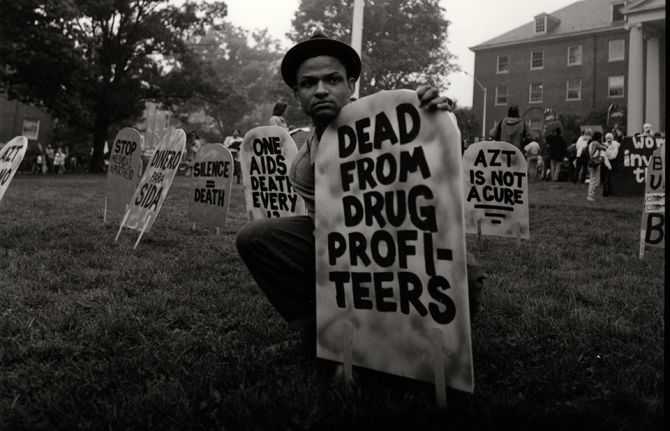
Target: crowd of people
pixel 52 160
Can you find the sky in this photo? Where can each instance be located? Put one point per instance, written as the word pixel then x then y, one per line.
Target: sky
pixel 472 22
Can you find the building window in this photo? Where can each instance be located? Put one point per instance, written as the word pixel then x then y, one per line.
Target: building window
pixel 615 86
pixel 536 60
pixel 573 89
pixel 501 95
pixel 541 24
pixel 617 50
pixel 503 64
pixel 535 93
pixel 616 12
pixel 574 55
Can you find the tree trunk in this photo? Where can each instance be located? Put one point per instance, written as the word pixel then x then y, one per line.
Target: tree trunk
pixel 99 138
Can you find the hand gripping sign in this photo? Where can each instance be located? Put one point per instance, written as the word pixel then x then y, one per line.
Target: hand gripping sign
pixel 652 233
pixel 11 156
pixel 125 171
pixel 155 183
pixel 212 181
pixel 495 179
pixel 266 155
pixel 390 243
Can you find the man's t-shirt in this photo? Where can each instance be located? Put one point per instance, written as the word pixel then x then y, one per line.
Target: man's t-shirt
pixel 301 173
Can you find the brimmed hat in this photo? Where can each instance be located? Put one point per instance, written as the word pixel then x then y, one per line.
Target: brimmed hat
pixel 319 44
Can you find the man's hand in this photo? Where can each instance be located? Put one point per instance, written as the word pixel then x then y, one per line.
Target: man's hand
pixel 430 100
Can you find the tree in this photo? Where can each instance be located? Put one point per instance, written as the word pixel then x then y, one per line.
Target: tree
pixel 404 41
pixel 93 63
pixel 467 123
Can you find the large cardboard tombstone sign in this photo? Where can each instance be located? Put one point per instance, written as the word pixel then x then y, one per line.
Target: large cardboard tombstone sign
pixel 125 170
pixel 628 168
pixel 653 209
pixel 156 181
pixel 212 180
pixel 390 242
pixel 266 155
pixel 11 156
pixel 495 182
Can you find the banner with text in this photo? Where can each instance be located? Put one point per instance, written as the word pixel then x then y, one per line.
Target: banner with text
pixel 125 170
pixel 156 181
pixel 495 182
pixel 266 155
pixel 390 242
pixel 653 209
pixel 629 165
pixel 212 181
pixel 11 156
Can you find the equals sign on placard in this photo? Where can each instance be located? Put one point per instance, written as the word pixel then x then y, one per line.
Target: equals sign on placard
pixel 210 184
pixel 494 216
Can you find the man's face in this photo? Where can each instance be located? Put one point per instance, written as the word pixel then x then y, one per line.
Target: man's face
pixel 323 88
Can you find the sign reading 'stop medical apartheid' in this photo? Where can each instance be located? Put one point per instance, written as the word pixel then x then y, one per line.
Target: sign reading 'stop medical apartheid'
pixel 495 182
pixel 156 181
pixel 212 180
pixel 125 169
pixel 266 155
pixel 390 241
pixel 653 208
pixel 629 166
pixel 11 156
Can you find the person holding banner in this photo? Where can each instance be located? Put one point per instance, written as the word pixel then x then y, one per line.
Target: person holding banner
pixel 596 151
pixel 280 252
pixel 611 153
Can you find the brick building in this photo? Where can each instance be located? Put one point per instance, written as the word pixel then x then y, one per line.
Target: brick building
pixel 18 118
pixel 577 60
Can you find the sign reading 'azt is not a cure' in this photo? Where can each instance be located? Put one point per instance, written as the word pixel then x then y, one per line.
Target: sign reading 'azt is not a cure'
pixel 390 242
pixel 11 156
pixel 266 155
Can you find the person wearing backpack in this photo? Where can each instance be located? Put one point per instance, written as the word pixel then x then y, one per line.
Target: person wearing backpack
pixel 596 150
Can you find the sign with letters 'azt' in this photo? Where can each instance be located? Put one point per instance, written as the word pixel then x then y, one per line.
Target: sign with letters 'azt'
pixel 390 243
pixel 156 181
pixel 125 169
pixel 212 181
pixel 495 178
pixel 11 156
pixel 266 155
pixel 653 209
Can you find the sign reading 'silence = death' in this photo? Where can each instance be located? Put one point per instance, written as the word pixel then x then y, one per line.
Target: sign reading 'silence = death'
pixel 495 187
pixel 212 181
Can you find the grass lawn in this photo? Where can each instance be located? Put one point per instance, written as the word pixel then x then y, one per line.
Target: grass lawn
pixel 175 334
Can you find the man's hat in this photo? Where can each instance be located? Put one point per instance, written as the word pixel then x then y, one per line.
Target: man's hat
pixel 319 44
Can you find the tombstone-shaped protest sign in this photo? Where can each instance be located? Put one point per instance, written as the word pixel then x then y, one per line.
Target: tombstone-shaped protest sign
pixel 124 172
pixel 628 168
pixel 652 232
pixel 390 241
pixel 11 156
pixel 266 155
pixel 495 180
pixel 212 180
pixel 155 183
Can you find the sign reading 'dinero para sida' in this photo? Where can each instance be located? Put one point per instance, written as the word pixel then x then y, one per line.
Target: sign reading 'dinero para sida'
pixel 495 179
pixel 11 156
pixel 266 155
pixel 155 183
pixel 390 243
pixel 125 169
pixel 212 180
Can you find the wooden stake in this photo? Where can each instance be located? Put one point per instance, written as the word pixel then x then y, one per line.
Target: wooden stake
pixel 347 340
pixel 193 226
pixel 479 229
pixel 104 214
pixel 643 233
pixel 142 232
pixel 123 222
pixel 517 234
pixel 438 366
pixel 217 231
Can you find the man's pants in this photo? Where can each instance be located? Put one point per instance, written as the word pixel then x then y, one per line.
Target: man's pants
pixel 594 181
pixel 606 180
pixel 280 254
pixel 532 168
pixel 555 169
pixel 582 169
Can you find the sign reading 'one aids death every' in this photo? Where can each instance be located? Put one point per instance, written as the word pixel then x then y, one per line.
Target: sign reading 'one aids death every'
pixel 125 170
pixel 266 155
pixel 653 210
pixel 11 156
pixel 156 181
pixel 390 242
pixel 212 181
pixel 495 182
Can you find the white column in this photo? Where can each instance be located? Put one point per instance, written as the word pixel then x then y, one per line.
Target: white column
pixel 653 90
pixel 635 111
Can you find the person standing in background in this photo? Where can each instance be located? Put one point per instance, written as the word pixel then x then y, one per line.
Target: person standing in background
pixel 606 169
pixel 233 143
pixel 582 157
pixel 512 129
pixel 556 152
pixel 277 118
pixel 532 152
pixel 596 150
